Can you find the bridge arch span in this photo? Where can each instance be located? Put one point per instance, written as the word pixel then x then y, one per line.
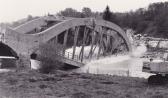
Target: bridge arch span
pixel 100 27
pixel 26 44
pixel 57 29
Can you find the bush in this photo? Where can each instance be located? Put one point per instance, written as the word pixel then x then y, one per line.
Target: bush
pixel 48 53
pixel 48 66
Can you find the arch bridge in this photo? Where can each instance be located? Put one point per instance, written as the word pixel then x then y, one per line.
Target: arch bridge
pixel 73 41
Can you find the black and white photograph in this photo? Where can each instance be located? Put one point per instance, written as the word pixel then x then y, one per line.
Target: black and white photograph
pixel 83 48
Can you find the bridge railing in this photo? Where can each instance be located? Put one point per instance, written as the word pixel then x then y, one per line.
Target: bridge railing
pixel 69 55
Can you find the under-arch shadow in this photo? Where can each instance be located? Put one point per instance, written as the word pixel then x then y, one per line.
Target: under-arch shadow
pixel 7 51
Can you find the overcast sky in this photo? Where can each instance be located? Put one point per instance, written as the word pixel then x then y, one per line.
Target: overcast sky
pixel 11 10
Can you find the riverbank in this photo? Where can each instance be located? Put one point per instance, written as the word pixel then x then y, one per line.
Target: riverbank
pixel 60 84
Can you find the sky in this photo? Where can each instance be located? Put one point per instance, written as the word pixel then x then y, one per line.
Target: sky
pixel 12 10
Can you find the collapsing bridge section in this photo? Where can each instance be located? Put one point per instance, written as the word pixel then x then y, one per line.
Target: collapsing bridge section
pixel 73 41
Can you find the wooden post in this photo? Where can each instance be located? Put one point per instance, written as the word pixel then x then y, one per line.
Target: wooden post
pixel 102 46
pixel 75 41
pixel 55 43
pixel 83 44
pixel 100 42
pixel 105 44
pixel 106 41
pixel 93 40
pixel 56 39
pixel 113 41
pixel 65 41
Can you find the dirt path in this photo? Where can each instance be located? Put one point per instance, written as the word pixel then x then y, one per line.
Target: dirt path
pixel 73 85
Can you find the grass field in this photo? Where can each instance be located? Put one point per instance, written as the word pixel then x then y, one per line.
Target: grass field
pixel 60 84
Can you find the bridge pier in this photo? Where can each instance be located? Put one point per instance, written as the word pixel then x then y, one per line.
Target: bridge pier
pixel 23 62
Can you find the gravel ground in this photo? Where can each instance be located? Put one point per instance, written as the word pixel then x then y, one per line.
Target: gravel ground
pixel 60 84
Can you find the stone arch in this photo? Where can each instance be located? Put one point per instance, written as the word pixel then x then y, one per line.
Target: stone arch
pixel 5 50
pixel 8 57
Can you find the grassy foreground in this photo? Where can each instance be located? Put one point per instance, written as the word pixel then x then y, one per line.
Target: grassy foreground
pixel 60 84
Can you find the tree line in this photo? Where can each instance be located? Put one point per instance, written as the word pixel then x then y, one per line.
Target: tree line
pixel 151 21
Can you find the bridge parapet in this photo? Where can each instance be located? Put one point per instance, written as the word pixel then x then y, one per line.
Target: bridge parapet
pixel 69 55
pixel 69 59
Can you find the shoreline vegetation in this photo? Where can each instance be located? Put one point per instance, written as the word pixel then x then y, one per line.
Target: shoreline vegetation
pixel 62 84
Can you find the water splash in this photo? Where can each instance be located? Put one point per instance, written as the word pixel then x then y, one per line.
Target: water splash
pixel 110 60
pixel 123 65
pixel 139 51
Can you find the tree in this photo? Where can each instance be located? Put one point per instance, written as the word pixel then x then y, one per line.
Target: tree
pixel 69 12
pixel 108 15
pixel 29 17
pixel 87 12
